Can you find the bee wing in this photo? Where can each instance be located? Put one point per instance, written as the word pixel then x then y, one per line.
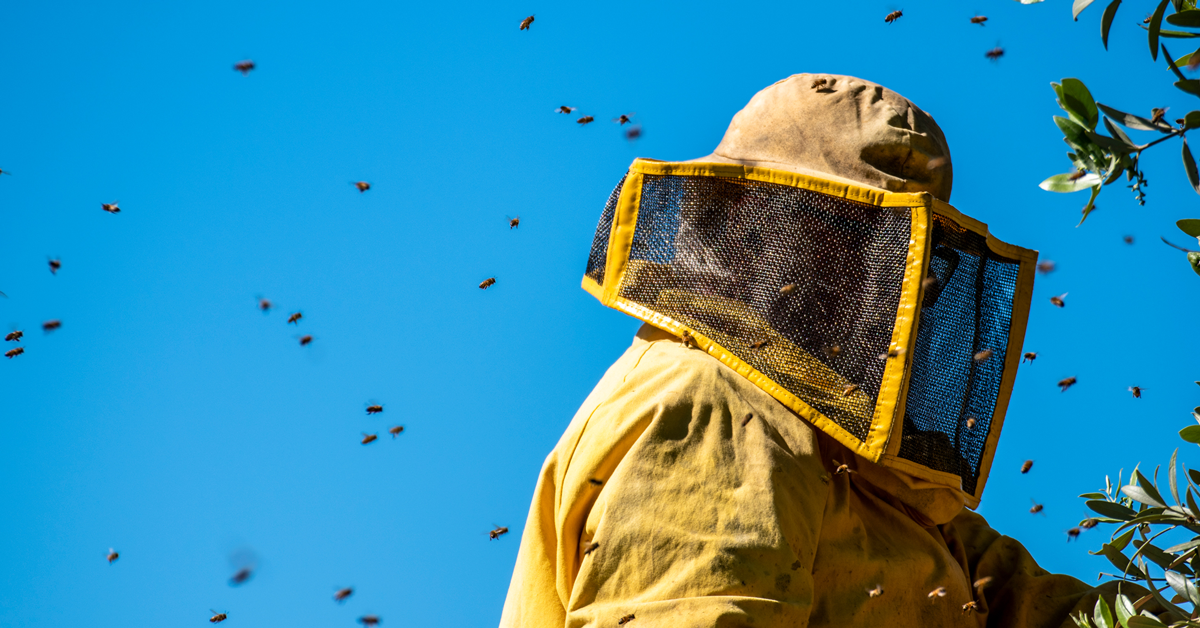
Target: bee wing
pixel 1176 246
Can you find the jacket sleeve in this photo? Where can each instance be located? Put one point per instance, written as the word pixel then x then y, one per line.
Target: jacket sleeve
pixel 666 504
pixel 1021 594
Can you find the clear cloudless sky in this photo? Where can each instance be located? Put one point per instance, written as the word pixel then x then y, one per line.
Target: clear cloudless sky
pixel 170 419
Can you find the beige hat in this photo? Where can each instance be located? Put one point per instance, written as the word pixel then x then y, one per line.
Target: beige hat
pixel 841 128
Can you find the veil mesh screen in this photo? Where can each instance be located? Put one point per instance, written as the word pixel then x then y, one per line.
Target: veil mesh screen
pixel 599 254
pixel 800 285
pixel 951 395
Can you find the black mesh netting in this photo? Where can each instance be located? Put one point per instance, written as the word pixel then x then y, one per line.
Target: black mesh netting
pixel 951 395
pixel 599 254
pixel 802 286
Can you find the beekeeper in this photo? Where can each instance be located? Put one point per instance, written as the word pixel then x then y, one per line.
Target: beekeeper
pixel 799 431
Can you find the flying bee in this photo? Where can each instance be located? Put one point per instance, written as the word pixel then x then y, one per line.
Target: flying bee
pixel 1157 113
pixel 112 555
pixel 497 532
pixel 487 283
pixel 396 430
pixel 362 186
pixel 1077 175
pixel 526 22
pixel 295 318
pixel 217 617
pixel 746 420
pixel 513 223
pixel 1146 20
pixel 375 408
pixel 995 53
pixel 110 208
pixel 585 120
pixel 304 340
pixel 849 389
pixel 14 352
pixel 1046 267
pixel 981 584
pixel 833 350
pixel 820 84
pixel 241 576
pixel 593 546
pixel 1137 391
pixel 970 422
pixel 1026 466
pixel 14 336
pixel 936 593
pixel 264 305
pixel 369 438
pixel 371 620
pixel 1128 239
pixel 6 172
pixel 244 66
pixel 626 619
pixel 1058 300
pixel 1192 64
pixel 633 132
pixel 979 19
pixel 788 289
pixel 1030 356
pixel 894 352
pixel 1066 383
pixel 342 594
pixel 595 482
pixel 623 118
pixel 1036 509
pixel 929 282
pixel 565 109
pixel 970 607
pixel 892 17
pixel 983 356
pixel 842 469
pixel 759 344
pixel 936 162
pixel 876 592
pixel 1073 534
pixel 51 325
pixel 1088 524
pixel 55 264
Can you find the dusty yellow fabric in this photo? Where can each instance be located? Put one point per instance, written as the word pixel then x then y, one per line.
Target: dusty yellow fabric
pixel 844 128
pixel 701 521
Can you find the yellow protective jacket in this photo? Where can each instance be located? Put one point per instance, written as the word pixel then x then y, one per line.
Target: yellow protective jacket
pixel 663 501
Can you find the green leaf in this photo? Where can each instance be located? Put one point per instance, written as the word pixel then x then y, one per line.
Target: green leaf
pixel 1093 496
pixel 1108 143
pixel 1119 560
pixel 1078 6
pixel 1131 121
pixel 1121 542
pixel 1063 182
pixel 1146 485
pixel 1190 226
pixel 1191 501
pixel 1189 165
pixel 1191 120
pixel 1142 621
pixel 1171 62
pixel 1116 132
pixel 1191 86
pixel 1104 617
pixel 1183 547
pixel 1194 260
pixel 1189 18
pixel 1183 587
pixel 1171 477
pixel 1077 101
pixel 1194 474
pixel 1191 434
pixel 1106 20
pixel 1155 25
pixel 1173 34
pixel 1156 555
pixel 1091 205
pixel 1124 609
pixel 1072 130
pixel 1114 510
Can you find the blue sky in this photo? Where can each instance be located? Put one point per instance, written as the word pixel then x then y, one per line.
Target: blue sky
pixel 170 419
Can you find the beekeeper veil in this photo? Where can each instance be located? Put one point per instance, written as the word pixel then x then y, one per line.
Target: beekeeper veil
pixel 815 253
